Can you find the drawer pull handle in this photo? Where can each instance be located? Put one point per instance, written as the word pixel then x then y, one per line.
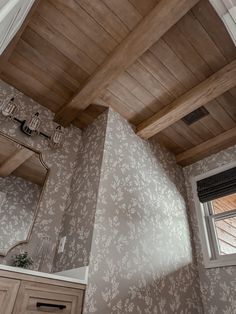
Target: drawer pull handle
pixel 59 306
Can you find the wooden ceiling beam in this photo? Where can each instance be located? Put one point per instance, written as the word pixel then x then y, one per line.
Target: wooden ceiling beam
pixel 212 146
pixel 5 56
pixel 214 86
pixel 14 161
pixel 149 30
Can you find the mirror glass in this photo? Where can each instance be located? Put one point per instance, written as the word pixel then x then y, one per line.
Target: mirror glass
pixel 22 177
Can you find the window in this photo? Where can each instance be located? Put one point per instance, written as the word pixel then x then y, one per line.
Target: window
pixel 217 217
pixel 221 219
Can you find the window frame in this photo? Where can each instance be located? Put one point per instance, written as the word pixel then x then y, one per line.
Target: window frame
pixel 209 244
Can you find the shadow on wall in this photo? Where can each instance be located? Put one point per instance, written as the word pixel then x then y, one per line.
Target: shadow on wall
pixel 141 232
pixel 177 292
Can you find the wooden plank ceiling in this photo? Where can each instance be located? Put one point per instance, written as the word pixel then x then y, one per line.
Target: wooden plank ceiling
pixel 65 42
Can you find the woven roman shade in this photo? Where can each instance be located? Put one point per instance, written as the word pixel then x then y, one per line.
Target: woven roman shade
pixel 218 185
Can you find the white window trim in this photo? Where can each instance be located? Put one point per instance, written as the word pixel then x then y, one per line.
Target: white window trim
pixel 208 260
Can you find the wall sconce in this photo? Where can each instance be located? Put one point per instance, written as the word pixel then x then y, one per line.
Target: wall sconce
pixel 32 126
pixel 9 109
pixel 57 137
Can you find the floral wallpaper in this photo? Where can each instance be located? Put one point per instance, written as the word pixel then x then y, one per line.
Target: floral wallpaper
pixel 78 220
pixel 61 163
pixel 17 210
pixel 141 257
pixel 218 285
pixel 121 202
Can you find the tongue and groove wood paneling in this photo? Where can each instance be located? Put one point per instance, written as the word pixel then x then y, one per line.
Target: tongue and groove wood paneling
pixel 66 41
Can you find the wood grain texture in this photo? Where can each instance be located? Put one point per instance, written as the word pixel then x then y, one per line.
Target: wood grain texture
pixel 40 279
pixel 23 81
pixel 210 21
pixel 152 28
pixel 30 293
pixel 14 161
pixel 54 56
pixel 60 77
pixel 144 7
pixel 11 162
pixel 91 28
pixel 224 204
pixel 59 21
pixel 207 148
pixel 198 96
pixel 106 18
pixel 50 63
pixel 8 51
pixel 226 228
pixel 8 292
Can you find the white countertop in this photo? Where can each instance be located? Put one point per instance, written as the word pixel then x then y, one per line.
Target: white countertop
pixel 41 274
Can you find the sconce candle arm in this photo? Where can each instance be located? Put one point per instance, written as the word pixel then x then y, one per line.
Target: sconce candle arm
pixel 21 122
pixel 31 127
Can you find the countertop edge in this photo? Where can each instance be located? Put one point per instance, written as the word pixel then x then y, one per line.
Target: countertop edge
pixel 41 274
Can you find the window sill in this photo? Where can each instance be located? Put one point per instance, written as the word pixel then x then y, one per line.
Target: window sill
pixel 224 261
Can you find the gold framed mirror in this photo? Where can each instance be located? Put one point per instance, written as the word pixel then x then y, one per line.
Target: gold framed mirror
pixel 23 176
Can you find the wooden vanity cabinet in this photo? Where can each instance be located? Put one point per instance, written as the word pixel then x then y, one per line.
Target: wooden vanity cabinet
pixel 38 298
pixel 26 294
pixel 8 292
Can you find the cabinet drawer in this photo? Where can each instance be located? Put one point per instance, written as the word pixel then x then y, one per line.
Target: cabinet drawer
pixel 37 298
pixel 8 292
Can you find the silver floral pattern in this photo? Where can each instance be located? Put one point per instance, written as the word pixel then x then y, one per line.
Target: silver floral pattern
pixel 124 213
pixel 78 221
pixel 132 198
pixel 218 285
pixel 17 211
pixel 61 163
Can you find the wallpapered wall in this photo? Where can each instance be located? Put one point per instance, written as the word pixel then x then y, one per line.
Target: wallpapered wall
pixel 61 163
pixel 141 256
pixel 127 205
pixel 218 285
pixel 17 210
pixel 78 220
